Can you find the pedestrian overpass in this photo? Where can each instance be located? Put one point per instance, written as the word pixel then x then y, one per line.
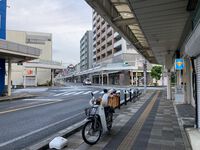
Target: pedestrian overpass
pixel 16 53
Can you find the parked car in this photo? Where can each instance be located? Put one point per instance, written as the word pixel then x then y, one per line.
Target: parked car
pixel 87 82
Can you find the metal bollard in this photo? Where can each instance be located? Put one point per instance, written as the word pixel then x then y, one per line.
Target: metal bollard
pixel 125 102
pixel 130 95
pixel 119 101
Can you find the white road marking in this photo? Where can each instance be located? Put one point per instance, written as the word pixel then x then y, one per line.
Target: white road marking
pixel 60 94
pixel 59 90
pixel 87 92
pixel 101 92
pixel 42 99
pixel 38 130
pixel 69 93
pixel 78 93
pixel 95 92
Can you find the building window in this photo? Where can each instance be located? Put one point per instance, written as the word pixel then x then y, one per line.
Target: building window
pixel 117 49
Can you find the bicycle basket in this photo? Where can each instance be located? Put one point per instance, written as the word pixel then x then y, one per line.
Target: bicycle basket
pixel 90 111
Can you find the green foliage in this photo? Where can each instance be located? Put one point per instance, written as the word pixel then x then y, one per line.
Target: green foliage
pixel 156 72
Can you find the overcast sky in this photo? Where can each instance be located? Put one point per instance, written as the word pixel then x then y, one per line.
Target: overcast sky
pixel 67 20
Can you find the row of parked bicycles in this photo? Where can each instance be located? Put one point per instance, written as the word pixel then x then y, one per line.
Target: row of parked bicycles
pixel 99 119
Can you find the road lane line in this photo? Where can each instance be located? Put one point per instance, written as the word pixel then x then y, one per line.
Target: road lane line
pixel 22 108
pixel 23 105
pixel 43 99
pixel 38 130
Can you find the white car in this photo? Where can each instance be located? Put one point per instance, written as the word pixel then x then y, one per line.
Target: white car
pixel 87 82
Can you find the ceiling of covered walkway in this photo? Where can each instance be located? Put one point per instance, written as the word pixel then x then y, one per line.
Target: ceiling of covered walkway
pixel 155 27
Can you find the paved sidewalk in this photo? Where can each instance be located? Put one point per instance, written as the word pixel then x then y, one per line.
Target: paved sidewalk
pixel 149 123
pixel 186 113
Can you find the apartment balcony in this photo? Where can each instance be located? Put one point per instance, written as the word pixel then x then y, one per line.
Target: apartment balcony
pixel 116 44
pixel 110 48
pixel 109 30
pixel 104 42
pixel 116 34
pixel 94 49
pixel 109 39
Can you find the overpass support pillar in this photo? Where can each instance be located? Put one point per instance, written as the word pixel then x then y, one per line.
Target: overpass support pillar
pixel 136 78
pixel 107 79
pixel 9 77
pixel 102 78
pixel 131 72
pixel 52 77
pixel 99 78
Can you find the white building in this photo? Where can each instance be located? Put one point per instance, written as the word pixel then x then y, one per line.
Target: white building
pixel 22 74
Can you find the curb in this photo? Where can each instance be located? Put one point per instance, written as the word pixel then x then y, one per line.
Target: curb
pixel 16 98
pixel 44 144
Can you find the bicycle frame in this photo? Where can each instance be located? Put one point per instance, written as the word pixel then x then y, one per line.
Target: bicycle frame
pixel 99 113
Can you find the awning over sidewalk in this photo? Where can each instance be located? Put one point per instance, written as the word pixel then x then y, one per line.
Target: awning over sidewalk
pixel 110 68
pixel 155 28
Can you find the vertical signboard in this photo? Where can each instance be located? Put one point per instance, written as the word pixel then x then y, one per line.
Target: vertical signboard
pixel 2 36
pixel 2 19
pixel 179 64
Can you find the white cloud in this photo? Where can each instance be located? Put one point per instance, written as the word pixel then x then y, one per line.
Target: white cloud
pixel 67 20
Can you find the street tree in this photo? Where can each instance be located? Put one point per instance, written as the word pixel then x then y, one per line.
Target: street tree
pixel 156 72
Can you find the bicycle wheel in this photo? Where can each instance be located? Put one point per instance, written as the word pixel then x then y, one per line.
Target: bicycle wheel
pixel 109 120
pixel 91 132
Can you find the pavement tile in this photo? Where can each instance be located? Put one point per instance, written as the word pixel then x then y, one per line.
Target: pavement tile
pixel 153 146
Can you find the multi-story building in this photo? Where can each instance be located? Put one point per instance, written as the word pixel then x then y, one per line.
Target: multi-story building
pixel 20 73
pixel 86 51
pixel 110 49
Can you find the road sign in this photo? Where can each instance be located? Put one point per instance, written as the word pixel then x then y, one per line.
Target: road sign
pixel 179 64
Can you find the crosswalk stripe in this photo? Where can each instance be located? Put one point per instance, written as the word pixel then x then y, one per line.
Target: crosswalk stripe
pixel 87 92
pixel 101 92
pixel 78 93
pixel 95 92
pixel 69 93
pixel 60 94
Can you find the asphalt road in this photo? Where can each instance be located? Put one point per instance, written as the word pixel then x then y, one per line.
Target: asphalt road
pixel 28 121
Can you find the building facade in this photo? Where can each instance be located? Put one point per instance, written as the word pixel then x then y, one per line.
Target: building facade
pixel 86 51
pixel 25 75
pixel 110 49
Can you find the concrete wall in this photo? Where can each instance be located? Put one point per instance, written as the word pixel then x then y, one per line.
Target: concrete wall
pixel 30 38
